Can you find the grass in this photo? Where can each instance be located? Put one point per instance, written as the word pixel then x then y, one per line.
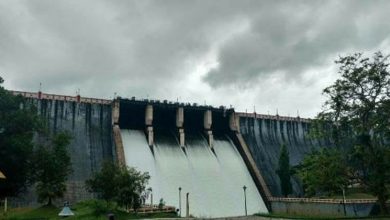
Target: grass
pixel 83 210
pixel 44 212
pixel 351 193
pixel 303 217
pixel 356 195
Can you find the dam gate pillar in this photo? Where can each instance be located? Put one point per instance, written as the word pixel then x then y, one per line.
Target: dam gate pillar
pixel 120 153
pixel 115 112
pixel 179 125
pixel 234 122
pixel 207 122
pixel 149 124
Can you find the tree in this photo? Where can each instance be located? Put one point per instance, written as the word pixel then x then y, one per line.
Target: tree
pixel 323 171
pixel 18 123
pixel 131 185
pixel 284 171
pixel 104 183
pixel 357 111
pixel 119 184
pixel 52 166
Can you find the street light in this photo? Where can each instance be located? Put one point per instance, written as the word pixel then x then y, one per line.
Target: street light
pixel 151 196
pixel 187 205
pixel 344 200
pixel 180 201
pixel 246 212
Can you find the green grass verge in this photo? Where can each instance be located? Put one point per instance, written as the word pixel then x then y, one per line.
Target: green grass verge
pixel 83 210
pixel 351 193
pixel 303 217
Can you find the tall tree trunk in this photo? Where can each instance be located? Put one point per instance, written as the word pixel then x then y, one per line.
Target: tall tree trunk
pixel 49 203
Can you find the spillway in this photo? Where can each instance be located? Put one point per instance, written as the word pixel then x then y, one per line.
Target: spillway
pixel 214 180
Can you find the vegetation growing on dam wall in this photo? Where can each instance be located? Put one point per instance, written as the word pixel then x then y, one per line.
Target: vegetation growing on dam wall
pixel 265 138
pixel 90 128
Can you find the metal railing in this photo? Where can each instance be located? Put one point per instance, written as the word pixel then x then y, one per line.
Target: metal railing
pixel 272 117
pixel 38 95
pixel 154 208
pixel 318 200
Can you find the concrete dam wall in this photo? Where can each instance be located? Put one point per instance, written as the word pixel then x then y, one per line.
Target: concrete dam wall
pixel 266 134
pixel 90 124
pixel 90 127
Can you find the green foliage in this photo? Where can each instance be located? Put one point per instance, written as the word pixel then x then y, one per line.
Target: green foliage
pixel 52 165
pixel 18 122
pixel 102 207
pixel 323 172
pixel 123 185
pixel 131 184
pixel 284 171
pixel 47 165
pixel 356 116
pixel 161 204
pixel 104 183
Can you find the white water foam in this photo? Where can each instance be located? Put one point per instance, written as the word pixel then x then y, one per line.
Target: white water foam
pixel 214 181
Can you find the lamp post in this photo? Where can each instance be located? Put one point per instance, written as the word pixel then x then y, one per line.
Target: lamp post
pixel 344 200
pixel 180 201
pixel 246 212
pixel 151 196
pixel 187 205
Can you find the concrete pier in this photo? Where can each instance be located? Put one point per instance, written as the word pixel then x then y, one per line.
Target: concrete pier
pixel 149 124
pixel 234 122
pixel 181 137
pixel 150 135
pixel 210 138
pixel 149 115
pixel 180 117
pixel 120 153
pixel 115 112
pixel 207 122
pixel 179 125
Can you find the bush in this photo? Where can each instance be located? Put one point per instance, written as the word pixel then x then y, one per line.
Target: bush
pixel 161 204
pixel 101 207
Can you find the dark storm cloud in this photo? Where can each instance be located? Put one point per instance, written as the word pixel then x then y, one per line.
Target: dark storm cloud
pixel 222 52
pixel 296 36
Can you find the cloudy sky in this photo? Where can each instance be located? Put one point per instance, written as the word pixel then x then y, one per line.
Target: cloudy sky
pixel 267 54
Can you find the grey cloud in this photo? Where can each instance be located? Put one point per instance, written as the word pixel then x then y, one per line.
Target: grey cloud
pixel 295 37
pixel 153 47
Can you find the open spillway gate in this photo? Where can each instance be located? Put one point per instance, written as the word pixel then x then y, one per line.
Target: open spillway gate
pixel 182 121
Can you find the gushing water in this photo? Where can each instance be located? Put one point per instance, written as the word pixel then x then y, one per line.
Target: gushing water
pixel 214 181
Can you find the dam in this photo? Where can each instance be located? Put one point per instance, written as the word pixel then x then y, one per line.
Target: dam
pixel 188 147
pixel 210 153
